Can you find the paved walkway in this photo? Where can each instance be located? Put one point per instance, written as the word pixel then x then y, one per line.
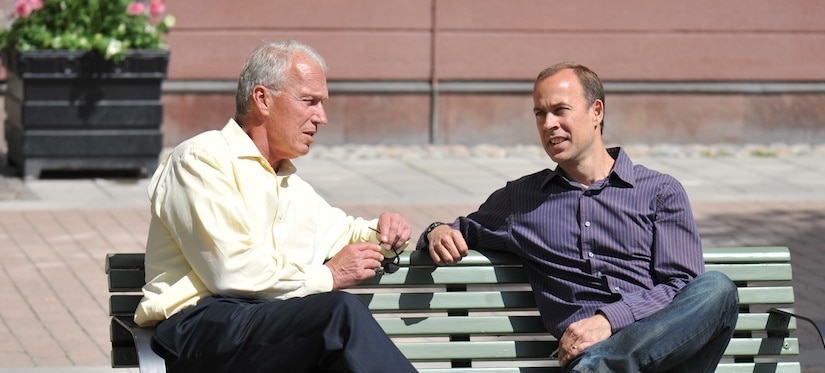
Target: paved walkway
pixel 55 233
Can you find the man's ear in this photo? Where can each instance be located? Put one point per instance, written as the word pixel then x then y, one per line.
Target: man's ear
pixel 259 94
pixel 598 112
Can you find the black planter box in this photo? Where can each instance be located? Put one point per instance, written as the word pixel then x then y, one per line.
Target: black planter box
pixel 69 110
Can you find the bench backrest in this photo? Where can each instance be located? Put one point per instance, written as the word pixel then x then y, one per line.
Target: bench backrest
pixel 481 312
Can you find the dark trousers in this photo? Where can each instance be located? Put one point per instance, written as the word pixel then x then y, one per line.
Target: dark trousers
pixel 327 332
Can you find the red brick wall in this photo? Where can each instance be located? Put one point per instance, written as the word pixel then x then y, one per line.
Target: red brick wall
pixel 755 66
pixel 640 40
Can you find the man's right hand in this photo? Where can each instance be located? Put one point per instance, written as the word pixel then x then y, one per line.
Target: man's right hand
pixel 354 263
pixel 447 245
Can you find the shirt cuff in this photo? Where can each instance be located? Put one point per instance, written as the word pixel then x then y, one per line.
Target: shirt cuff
pixel 618 314
pixel 319 279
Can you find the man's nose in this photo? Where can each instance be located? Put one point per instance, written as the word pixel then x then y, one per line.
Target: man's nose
pixel 320 116
pixel 550 122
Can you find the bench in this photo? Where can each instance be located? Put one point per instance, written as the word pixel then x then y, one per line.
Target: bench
pixel 480 315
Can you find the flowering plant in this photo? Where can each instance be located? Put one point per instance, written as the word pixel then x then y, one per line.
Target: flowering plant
pixel 109 27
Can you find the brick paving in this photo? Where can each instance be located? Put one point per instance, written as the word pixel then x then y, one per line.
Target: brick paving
pixel 54 239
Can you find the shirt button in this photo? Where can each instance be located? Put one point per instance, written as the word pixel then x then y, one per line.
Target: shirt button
pixel 616 289
pixel 587 223
pixel 590 254
pixel 598 273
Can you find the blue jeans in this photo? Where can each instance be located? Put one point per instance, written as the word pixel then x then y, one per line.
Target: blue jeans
pixel 689 335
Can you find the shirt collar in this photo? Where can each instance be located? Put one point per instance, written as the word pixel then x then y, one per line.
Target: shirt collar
pixel 243 147
pixel 621 175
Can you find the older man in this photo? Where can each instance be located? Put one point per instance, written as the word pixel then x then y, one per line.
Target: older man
pixel 244 258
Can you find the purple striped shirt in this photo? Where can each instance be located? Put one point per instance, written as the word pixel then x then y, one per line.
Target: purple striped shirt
pixel 624 246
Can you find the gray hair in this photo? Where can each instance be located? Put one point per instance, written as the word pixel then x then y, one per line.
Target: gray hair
pixel 267 64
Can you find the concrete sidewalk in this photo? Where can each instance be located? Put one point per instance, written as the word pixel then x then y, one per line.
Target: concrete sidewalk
pixel 55 233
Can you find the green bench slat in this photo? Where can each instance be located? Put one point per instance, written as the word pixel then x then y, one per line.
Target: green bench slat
pixel 484 350
pixel 479 300
pixel 762 347
pixel 475 325
pixel 764 321
pixel 779 367
pixel 505 324
pixel 124 260
pixel 121 280
pixel 754 254
pixel 766 295
pixel 551 369
pixel 754 272
pixel 773 367
pixel 491 350
pixel 123 304
pixel 453 275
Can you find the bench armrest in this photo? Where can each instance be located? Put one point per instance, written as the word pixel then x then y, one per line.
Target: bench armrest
pixel 149 361
pixel 789 313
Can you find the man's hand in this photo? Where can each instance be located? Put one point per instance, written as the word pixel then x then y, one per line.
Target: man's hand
pixel 447 245
pixel 395 230
pixel 354 263
pixel 582 334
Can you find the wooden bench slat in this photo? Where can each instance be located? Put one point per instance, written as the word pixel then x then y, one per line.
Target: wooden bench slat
pixel 507 324
pixel 122 280
pixel 766 295
pixel 123 304
pixel 486 350
pixel 778 367
pixel 479 300
pixel 754 272
pixel 475 325
pixel 762 347
pixel 750 254
pixel 755 254
pixel 500 325
pixel 450 276
pixel 764 322
pixel 124 260
pixel 551 369
pixel 773 367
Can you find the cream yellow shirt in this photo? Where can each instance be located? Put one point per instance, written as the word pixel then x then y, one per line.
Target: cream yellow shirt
pixel 224 222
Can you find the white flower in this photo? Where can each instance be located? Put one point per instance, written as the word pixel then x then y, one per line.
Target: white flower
pixel 114 48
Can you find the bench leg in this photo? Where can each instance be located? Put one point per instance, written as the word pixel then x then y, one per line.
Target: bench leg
pixel 788 313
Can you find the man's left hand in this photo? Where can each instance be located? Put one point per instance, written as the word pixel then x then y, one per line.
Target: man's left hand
pixel 582 334
pixel 394 228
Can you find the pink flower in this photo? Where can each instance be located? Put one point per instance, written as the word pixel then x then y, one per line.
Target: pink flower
pixel 23 8
pixel 36 4
pixel 135 8
pixel 156 8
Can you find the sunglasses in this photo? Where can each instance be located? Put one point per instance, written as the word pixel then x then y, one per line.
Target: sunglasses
pixel 390 265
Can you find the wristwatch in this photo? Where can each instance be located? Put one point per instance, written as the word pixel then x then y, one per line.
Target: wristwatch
pixel 430 228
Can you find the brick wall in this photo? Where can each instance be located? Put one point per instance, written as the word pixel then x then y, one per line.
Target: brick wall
pixel 459 71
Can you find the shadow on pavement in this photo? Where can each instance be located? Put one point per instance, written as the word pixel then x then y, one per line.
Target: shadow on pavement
pixel 801 227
